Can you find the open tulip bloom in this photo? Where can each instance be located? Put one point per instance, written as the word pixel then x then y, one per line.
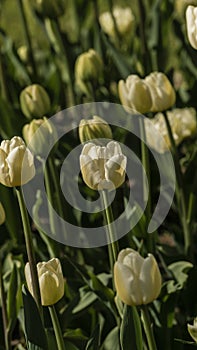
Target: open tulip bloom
pixel 103 168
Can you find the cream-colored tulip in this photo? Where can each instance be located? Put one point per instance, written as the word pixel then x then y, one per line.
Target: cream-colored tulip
pixel 162 93
pixel 88 66
pixel 51 281
pixel 192 329
pixel 134 93
pixel 137 280
pixel 16 163
pixel 94 128
pixel 35 102
pixel 2 214
pixel 40 135
pixel 124 19
pixel 183 124
pixel 191 24
pixel 103 167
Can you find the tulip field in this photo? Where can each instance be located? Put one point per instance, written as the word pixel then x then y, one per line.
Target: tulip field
pixel 98 174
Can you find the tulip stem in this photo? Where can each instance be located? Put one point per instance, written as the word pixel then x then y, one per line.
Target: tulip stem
pixel 56 327
pixel 146 181
pixel 50 196
pixel 180 195
pixel 28 38
pixel 148 328
pixel 113 246
pixel 30 248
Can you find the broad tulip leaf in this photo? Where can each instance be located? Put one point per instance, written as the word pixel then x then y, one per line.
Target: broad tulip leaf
pixel 179 270
pixel 112 341
pixel 34 330
pixel 130 331
pixel 11 299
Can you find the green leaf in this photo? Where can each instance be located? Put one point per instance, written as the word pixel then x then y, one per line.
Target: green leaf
pixel 131 325
pixel 11 299
pixel 93 342
pixel 87 298
pixel 112 341
pixel 34 330
pixel 179 270
pixel 103 291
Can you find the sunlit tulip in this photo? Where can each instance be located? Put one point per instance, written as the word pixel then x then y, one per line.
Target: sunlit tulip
pixel 162 93
pixel 192 329
pixel 51 281
pixel 94 128
pixel 134 93
pixel 16 163
pixel 137 280
pixel 88 66
pixel 35 102
pixel 124 19
pixel 2 214
pixel 103 167
pixel 40 135
pixel 191 24
pixel 183 124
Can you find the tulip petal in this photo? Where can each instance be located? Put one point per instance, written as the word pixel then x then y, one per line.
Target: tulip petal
pixel 150 279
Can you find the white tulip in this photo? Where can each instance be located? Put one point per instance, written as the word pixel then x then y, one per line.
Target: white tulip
pixel 16 163
pixel 103 167
pixel 191 24
pixel 137 280
pixel 192 329
pixel 51 281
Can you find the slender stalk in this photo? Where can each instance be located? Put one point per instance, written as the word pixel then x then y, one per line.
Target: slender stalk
pixel 30 248
pixel 113 243
pixel 28 37
pixel 142 29
pixel 55 38
pixel 191 206
pixel 146 175
pixel 56 327
pixel 179 188
pixel 50 193
pixel 4 312
pixel 148 328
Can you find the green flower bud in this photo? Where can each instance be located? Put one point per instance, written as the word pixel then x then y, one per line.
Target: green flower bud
pixel 40 135
pixel 2 214
pixel 88 66
pixel 34 101
pixel 95 128
pixel 51 9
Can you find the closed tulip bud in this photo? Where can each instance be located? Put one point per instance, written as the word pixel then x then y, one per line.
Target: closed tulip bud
pixel 95 128
pixel 2 214
pixel 134 93
pixel 40 135
pixel 124 19
pixel 137 280
pixel 35 102
pixel 51 9
pixel 88 66
pixel 16 163
pixel 51 281
pixel 162 93
pixel 103 168
pixel 192 329
pixel 191 24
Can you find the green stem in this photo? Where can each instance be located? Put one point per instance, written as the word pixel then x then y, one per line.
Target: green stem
pixel 179 190
pixel 50 193
pixel 30 248
pixel 191 206
pixel 56 327
pixel 4 312
pixel 55 38
pixel 28 38
pixel 142 29
pixel 148 328
pixel 113 243
pixel 146 178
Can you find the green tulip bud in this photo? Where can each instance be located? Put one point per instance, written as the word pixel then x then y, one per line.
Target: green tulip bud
pixel 40 135
pixel 88 66
pixel 2 214
pixel 51 9
pixel 34 101
pixel 95 128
